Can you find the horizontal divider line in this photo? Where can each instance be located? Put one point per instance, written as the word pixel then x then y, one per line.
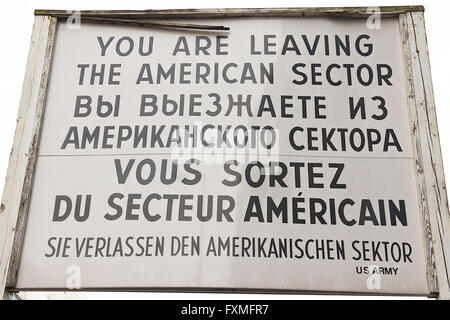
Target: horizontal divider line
pixel 218 154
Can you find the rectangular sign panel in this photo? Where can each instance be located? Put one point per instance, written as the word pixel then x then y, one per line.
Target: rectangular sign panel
pixel 275 156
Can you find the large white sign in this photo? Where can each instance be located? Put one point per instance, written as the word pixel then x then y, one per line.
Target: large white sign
pixel 274 156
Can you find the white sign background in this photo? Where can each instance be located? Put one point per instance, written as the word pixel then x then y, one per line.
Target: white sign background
pixel 368 175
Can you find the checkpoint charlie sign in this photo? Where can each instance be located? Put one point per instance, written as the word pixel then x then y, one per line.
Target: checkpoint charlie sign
pixel 264 150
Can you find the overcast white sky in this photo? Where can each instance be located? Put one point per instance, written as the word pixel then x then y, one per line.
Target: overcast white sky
pixel 15 30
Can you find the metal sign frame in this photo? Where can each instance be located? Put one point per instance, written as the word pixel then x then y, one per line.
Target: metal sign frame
pixel 430 180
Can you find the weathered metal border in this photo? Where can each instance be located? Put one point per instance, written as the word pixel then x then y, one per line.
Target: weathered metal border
pixel 164 18
pixel 392 11
pixel 430 179
pixel 430 176
pixel 19 177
